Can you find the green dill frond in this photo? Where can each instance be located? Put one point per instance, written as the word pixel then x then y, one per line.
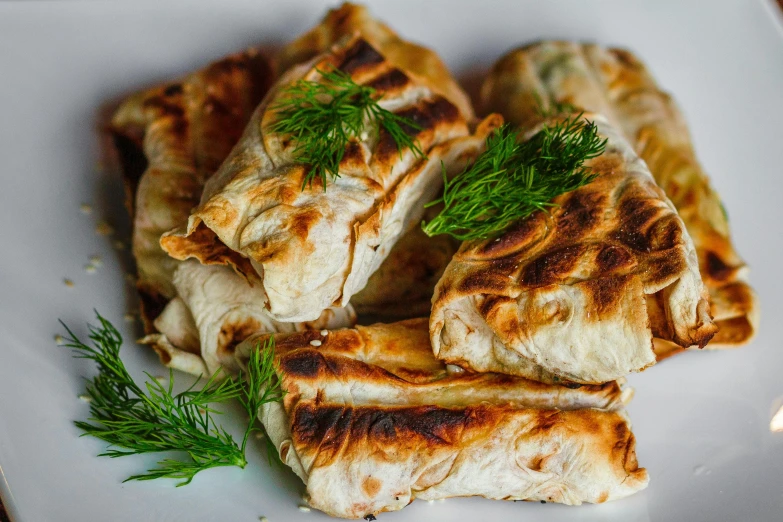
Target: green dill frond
pixel 152 419
pixel 323 117
pixel 262 385
pixel 511 179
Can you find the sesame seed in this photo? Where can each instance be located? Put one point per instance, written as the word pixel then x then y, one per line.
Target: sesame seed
pixel 160 378
pixel 104 229
pixel 324 333
pixel 84 397
pixel 263 519
pixel 85 208
pixel 90 269
pixel 59 339
pixel 315 342
pixel 68 283
pixel 96 261
pixel 304 509
pixel 260 435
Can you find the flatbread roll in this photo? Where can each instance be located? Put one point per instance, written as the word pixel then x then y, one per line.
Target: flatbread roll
pixel 616 83
pixel 310 249
pixel 572 294
pixel 371 421
pixel 169 139
pixel 215 309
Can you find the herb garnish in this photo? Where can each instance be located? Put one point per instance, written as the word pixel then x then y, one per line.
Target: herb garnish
pixel 324 116
pixel 511 180
pixel 134 420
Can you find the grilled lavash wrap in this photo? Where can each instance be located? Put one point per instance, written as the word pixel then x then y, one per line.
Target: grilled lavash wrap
pixel 169 140
pixel 311 248
pixel 371 421
pixel 616 84
pixel 576 293
pixel 403 284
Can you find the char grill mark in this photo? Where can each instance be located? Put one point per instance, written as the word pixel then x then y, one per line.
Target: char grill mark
pixel 521 234
pixel 361 56
pixel 580 213
pixel 554 266
pixel 327 426
pixel 427 115
pixel 604 292
pixel 304 363
pixel 394 80
pixel 612 258
pixel 717 269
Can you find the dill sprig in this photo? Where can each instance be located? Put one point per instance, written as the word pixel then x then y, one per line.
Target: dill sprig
pixel 511 179
pixel 324 116
pixel 154 419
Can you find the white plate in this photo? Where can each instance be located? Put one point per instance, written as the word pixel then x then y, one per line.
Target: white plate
pixel 702 420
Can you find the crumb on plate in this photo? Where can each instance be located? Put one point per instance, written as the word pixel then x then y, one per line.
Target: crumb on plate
pixel 103 228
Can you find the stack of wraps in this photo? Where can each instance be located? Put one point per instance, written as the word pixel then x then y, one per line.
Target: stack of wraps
pixel 512 387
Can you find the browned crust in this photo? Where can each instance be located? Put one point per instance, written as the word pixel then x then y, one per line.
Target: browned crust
pixel 205 113
pixel 370 410
pixel 618 83
pixel 615 228
pixel 398 358
pixel 375 174
pixel 204 245
pixel 350 19
pixel 331 435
